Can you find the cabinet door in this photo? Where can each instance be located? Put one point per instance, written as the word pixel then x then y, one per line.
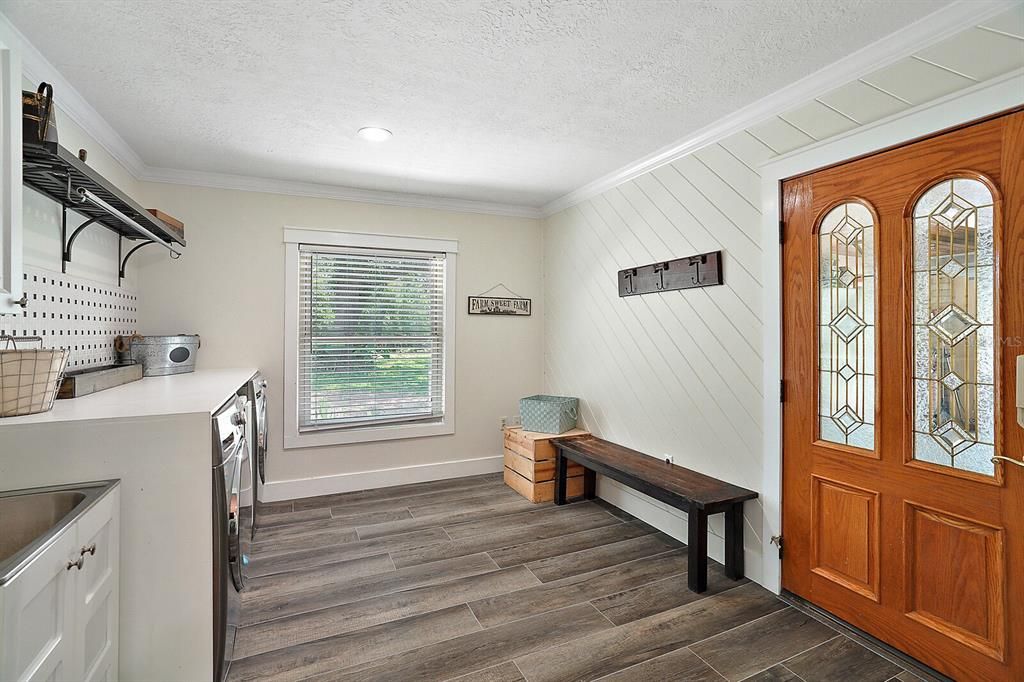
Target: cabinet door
pixel 96 592
pixel 10 175
pixel 38 608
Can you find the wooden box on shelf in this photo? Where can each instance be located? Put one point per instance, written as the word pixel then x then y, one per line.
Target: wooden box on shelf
pixel 530 464
pixel 170 221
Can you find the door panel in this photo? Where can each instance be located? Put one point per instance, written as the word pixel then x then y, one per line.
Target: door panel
pixel 844 537
pixel 962 599
pixel 903 317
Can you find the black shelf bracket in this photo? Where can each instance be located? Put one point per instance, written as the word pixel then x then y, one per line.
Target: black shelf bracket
pixel 123 261
pixel 69 242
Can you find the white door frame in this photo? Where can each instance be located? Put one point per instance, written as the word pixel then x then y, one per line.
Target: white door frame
pixel 984 99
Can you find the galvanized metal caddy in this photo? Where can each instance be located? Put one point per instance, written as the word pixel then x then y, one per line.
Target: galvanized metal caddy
pixel 162 355
pixel 549 413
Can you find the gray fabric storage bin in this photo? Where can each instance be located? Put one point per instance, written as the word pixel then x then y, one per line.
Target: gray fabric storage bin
pixel 548 413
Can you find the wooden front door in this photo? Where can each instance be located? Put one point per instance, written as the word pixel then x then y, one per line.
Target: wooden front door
pixel 903 317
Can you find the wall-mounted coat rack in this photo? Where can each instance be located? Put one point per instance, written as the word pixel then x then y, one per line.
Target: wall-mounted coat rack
pixel 702 270
pixel 60 175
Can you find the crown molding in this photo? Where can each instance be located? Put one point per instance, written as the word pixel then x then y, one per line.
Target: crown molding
pixel 931 29
pixel 37 68
pixel 246 183
pixel 912 38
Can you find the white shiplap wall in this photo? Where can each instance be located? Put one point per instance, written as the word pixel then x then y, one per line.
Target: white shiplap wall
pixel 680 374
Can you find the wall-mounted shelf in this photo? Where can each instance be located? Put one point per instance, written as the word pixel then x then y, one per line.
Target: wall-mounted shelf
pixel 60 175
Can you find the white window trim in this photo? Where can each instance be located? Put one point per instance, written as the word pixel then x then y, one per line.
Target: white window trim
pixel 293 438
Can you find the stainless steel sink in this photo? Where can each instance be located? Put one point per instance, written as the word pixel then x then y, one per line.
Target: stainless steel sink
pixel 31 519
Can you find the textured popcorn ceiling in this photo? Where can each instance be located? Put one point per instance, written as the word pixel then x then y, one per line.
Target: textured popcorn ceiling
pixel 516 102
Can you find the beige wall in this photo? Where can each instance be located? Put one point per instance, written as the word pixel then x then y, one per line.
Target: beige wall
pixel 229 288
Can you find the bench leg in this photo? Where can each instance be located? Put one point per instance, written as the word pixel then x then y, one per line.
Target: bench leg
pixel 561 469
pixel 697 550
pixel 589 484
pixel 734 541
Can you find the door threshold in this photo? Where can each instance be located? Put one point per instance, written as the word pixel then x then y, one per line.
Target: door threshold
pixel 876 645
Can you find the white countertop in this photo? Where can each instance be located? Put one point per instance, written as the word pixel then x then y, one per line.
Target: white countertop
pixel 202 391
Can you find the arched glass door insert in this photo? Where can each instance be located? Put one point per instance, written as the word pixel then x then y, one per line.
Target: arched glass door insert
pixel 954 314
pixel 846 325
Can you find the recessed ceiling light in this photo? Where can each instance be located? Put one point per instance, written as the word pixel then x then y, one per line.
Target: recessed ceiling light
pixel 374 134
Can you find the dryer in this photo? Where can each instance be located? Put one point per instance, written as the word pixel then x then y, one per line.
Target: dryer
pixel 257 396
pixel 230 453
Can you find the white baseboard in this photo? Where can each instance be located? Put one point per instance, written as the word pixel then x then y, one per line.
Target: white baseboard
pixel 672 522
pixel 275 491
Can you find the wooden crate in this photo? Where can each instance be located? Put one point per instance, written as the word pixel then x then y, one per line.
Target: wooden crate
pixel 537 471
pixel 530 464
pixel 541 492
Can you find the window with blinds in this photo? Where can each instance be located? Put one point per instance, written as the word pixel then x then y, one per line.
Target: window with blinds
pixel 371 347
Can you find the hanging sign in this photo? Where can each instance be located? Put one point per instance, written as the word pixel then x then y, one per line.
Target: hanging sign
pixel 489 305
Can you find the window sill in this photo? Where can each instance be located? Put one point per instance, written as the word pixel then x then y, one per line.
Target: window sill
pixel 312 439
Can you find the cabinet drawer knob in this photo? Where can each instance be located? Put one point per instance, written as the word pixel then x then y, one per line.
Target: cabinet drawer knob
pixel 77 564
pixel 91 550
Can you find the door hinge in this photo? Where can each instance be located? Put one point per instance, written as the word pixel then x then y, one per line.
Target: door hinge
pixel 782 232
pixel 782 391
pixel 777 540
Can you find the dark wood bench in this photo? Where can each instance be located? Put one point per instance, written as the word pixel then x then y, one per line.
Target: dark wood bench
pixel 696 494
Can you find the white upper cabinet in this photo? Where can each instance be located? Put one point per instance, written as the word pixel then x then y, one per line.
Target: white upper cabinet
pixel 10 174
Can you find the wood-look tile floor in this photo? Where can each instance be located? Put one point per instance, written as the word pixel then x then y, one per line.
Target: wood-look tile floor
pixel 463 579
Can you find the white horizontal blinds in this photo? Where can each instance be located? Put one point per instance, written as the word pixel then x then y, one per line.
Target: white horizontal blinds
pixel 371 337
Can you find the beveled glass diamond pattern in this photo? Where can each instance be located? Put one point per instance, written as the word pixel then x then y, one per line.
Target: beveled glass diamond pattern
pixel 847 324
pixel 847 372
pixel 952 381
pixel 845 276
pixel 952 437
pixel 847 420
pixel 952 211
pixel 953 324
pixel 952 268
pixel 848 230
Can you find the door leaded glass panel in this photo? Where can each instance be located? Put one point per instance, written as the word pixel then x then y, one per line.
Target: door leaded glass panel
pixel 846 324
pixel 954 380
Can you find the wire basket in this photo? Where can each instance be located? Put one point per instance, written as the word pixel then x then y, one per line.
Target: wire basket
pixel 29 378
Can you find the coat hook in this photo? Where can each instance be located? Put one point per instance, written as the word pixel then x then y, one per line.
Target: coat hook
pixel 628 275
pixel 659 270
pixel 695 263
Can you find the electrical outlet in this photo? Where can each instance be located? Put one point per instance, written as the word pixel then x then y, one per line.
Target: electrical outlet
pixel 509 422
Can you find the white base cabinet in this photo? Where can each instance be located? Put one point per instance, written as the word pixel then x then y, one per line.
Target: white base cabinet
pixel 59 616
